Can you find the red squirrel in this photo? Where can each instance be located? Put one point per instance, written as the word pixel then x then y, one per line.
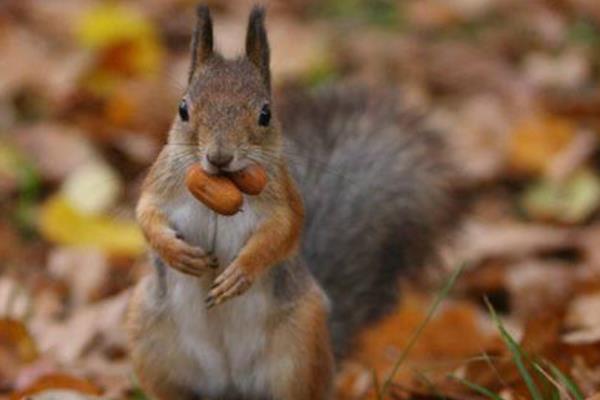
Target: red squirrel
pixel 256 305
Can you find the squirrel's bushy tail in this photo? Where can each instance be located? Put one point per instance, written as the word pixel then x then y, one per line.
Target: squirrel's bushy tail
pixel 377 197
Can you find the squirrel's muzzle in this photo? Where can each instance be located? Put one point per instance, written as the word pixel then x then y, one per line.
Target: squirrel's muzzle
pixel 220 160
pixel 219 157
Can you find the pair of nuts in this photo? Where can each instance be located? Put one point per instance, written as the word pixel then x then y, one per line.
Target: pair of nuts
pixel 223 193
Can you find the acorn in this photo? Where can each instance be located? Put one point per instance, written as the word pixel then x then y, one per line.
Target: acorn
pixel 217 192
pixel 250 180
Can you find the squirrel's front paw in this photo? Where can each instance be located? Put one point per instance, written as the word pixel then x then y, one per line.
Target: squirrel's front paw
pixel 188 259
pixel 230 283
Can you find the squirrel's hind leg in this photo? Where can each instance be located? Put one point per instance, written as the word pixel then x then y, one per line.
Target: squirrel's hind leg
pixel 301 356
pixel 154 359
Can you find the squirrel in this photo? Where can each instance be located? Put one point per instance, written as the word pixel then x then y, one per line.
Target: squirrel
pixel 263 306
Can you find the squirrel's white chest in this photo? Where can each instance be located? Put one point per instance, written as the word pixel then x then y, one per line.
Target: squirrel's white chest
pixel 222 235
pixel 227 341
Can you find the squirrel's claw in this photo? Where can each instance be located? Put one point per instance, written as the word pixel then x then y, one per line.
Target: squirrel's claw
pixel 232 282
pixel 210 302
pixel 196 266
pixel 190 260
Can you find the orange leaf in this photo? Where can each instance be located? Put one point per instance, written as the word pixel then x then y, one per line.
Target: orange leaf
pixel 536 141
pixel 58 381
pixel 14 335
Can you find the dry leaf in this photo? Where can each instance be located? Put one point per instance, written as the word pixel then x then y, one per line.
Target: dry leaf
pixel 92 189
pixel 480 240
pixel 126 44
pixel 536 141
pixel 75 385
pixel 61 223
pixel 568 70
pixel 61 395
pixel 100 324
pixel 85 270
pixel 583 312
pixel 15 337
pixel 570 201
pixel 56 150
pixel 17 348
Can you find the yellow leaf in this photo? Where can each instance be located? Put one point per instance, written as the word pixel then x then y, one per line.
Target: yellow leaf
pixel 126 42
pixel 571 201
pixel 15 336
pixel 536 141
pixel 61 223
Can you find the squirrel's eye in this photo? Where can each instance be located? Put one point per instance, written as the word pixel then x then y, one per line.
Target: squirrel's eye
pixel 183 111
pixel 265 116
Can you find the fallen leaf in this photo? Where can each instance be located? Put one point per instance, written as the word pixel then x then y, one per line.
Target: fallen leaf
pixel 17 348
pixel 92 188
pixel 536 286
pixel 536 141
pixel 126 43
pixel 59 222
pixel 583 312
pixel 570 201
pixel 478 132
pixel 427 15
pixel 439 349
pixel 66 263
pixel 100 324
pixel 15 336
pixel 16 171
pixel 571 69
pixel 55 149
pixel 62 395
pixel 55 381
pixel 481 240
pixel 15 301
pixel 574 156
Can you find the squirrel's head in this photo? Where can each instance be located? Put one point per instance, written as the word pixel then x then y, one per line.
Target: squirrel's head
pixel 225 115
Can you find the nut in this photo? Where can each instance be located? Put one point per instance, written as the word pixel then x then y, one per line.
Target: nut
pixel 214 191
pixel 250 180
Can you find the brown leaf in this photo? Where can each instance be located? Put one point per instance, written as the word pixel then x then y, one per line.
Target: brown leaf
pixel 56 150
pixel 98 325
pixel 482 240
pixel 17 348
pixel 85 270
pixel 15 337
pixel 58 381
pixel 456 333
pixel 536 141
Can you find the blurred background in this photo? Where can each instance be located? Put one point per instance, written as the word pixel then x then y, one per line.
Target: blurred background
pixel 88 89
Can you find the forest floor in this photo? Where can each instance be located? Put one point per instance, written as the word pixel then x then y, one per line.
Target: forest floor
pixel 88 89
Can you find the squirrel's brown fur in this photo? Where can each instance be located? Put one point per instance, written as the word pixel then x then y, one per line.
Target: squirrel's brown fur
pixel 258 325
pixel 183 351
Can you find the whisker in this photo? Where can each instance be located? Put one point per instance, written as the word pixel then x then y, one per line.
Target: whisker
pixel 293 157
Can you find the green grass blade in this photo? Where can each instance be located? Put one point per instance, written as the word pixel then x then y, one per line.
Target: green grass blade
pixel 552 386
pixel 517 354
pixel 442 294
pixel 566 381
pixel 555 395
pixel 477 388
pixel 430 385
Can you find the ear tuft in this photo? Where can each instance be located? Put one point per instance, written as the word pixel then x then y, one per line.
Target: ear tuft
pixel 257 44
pixel 202 39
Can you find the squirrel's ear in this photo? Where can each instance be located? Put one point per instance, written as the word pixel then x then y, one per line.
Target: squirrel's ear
pixel 257 44
pixel 202 39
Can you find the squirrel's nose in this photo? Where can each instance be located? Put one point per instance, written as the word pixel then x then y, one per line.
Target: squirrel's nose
pixel 219 159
